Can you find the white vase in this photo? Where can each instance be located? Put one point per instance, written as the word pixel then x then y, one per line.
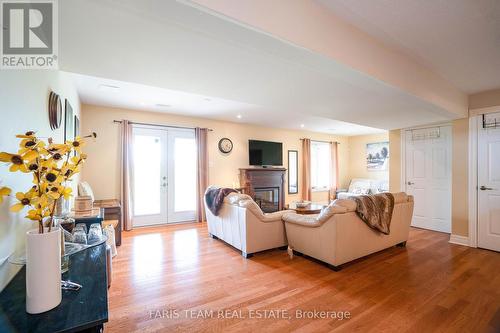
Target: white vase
pixel 43 270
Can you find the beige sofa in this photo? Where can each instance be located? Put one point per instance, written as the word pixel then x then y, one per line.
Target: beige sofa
pixel 338 235
pixel 242 224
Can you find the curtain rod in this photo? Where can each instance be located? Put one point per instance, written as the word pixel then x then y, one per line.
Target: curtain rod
pixel 322 141
pixel 159 125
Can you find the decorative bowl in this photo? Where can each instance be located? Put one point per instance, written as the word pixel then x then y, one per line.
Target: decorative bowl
pixel 301 204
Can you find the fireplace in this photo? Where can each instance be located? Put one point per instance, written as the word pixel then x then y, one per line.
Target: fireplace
pixel 266 186
pixel 268 198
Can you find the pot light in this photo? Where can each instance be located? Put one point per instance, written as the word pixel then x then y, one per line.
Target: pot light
pixel 109 87
pixel 302 125
pixel 163 105
pixel 239 116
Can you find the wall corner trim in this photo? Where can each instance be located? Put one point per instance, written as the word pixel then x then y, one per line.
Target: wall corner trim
pixel 459 240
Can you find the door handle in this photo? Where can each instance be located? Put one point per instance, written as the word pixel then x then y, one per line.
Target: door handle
pixel 484 188
pixel 164 185
pixel 411 183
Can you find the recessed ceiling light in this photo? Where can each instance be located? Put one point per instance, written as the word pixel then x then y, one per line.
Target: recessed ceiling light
pixel 108 87
pixel 239 116
pixel 302 125
pixel 163 105
pixel 207 99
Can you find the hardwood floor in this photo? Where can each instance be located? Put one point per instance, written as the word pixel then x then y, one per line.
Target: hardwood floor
pixel 429 286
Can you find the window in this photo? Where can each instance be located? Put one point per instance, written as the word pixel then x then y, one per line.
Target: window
pixel 320 165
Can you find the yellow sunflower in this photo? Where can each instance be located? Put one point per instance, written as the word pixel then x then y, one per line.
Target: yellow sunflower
pixel 67 192
pixel 58 148
pixel 77 144
pixel 36 214
pixel 56 158
pixel 25 199
pixel 30 155
pixel 27 135
pixel 53 176
pixel 46 164
pixel 4 191
pixel 16 160
pixel 68 170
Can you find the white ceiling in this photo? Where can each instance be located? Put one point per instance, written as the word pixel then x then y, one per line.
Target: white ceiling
pixel 169 53
pixel 458 39
pixel 98 91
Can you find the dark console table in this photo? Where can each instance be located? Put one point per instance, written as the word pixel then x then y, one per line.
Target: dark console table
pixel 112 210
pixel 84 310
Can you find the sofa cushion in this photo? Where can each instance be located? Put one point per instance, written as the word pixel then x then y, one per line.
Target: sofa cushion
pixel 361 191
pixel 344 195
pixel 329 210
pixel 379 186
pixel 252 206
pixel 359 184
pixel 84 189
pixel 305 220
pixel 235 198
pixel 264 217
pixel 400 197
pixel 350 205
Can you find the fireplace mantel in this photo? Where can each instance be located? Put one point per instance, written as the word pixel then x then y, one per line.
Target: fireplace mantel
pixel 253 180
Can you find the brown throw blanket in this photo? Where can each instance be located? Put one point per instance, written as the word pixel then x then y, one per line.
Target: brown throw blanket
pixel 214 198
pixel 375 210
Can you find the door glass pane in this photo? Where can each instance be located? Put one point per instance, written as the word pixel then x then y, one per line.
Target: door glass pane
pixel 147 162
pixel 184 174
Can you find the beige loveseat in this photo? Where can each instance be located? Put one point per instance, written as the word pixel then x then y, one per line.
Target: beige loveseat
pixel 338 235
pixel 242 224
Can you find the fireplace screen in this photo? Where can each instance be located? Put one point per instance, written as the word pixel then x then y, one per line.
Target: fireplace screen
pixel 267 198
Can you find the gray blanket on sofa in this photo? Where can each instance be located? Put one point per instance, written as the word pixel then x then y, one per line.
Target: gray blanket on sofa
pixel 375 210
pixel 214 198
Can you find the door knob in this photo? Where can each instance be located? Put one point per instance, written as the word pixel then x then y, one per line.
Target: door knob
pixel 411 183
pixel 484 188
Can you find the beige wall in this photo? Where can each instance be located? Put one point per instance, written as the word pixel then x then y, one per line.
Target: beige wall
pixel 357 156
pixel 459 210
pixel 102 168
pixel 24 98
pixel 460 175
pixel 395 160
pixel 484 99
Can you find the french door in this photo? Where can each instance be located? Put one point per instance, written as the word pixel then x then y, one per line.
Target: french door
pixel 428 176
pixel 163 175
pixel 489 187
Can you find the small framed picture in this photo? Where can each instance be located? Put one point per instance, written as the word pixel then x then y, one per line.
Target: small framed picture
pixel 69 126
pixel 77 126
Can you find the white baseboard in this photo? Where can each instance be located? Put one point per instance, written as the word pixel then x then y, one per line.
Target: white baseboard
pixel 459 240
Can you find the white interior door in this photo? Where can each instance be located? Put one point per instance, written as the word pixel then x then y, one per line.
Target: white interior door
pixel 428 176
pixel 163 175
pixel 489 187
pixel 149 176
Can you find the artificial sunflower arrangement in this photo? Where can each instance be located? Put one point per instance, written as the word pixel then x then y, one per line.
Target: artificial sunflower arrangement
pixel 52 166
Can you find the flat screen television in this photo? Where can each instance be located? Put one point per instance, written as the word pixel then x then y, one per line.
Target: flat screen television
pixel 264 153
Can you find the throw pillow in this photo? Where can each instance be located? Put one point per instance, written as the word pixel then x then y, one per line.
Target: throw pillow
pixel 84 189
